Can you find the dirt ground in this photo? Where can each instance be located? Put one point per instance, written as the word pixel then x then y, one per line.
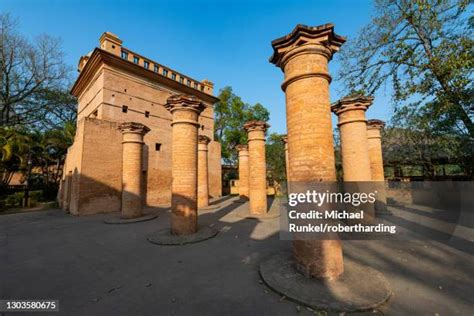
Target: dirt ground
pixel 97 269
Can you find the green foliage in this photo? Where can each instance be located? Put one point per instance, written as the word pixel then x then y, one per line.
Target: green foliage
pixel 42 148
pixel 275 156
pixel 231 113
pixel 37 112
pixel 15 144
pixel 425 150
pixel 337 151
pixel 425 50
pixel 14 199
pixel 54 108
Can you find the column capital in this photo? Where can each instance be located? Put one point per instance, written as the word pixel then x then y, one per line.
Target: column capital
pixel 375 124
pixel 351 103
pixel 284 139
pixel 306 39
pixel 203 139
pixel 256 126
pixel 242 148
pixel 184 102
pixel 133 127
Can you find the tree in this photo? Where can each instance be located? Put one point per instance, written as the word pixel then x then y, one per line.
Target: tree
pixel 55 109
pixel 412 142
pixel 34 78
pixel 230 114
pixel 337 153
pixel 424 49
pixel 275 156
pixel 14 150
pixel 45 149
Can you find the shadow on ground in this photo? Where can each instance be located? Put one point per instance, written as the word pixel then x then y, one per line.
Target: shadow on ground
pixel 98 269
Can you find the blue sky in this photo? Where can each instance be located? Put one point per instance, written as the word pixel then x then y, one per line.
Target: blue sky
pixel 227 42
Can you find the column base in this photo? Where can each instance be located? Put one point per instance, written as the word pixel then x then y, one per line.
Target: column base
pixel 119 220
pixel 274 212
pixel 360 288
pixel 165 238
pixel 274 205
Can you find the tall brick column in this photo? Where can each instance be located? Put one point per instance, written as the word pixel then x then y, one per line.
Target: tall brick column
pixel 303 55
pixel 374 139
pixel 353 131
pixel 132 160
pixel 243 171
pixel 185 110
pixel 354 148
pixel 203 172
pixel 257 167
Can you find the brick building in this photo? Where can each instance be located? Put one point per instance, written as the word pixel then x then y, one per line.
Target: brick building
pixel 117 85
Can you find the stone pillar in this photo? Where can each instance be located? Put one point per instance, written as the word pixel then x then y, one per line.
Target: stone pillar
pixel 185 111
pixel 353 131
pixel 354 149
pixel 257 167
pixel 243 171
pixel 287 162
pixel 303 55
pixel 132 165
pixel 374 139
pixel 203 172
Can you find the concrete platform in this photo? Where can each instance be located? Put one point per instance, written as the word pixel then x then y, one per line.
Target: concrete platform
pixel 346 294
pixel 273 212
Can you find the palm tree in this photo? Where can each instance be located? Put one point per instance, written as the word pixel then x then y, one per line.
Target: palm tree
pixel 15 148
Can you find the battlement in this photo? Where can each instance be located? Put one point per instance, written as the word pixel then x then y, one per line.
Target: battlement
pixel 111 43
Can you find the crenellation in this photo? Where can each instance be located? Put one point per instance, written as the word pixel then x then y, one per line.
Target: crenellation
pixel 204 86
pixel 110 89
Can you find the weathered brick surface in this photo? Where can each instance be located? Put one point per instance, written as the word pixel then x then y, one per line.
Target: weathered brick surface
pixel 374 139
pixel 95 168
pixel 132 168
pixel 203 171
pixel 185 111
pixel 72 165
pixel 354 146
pixel 104 86
pixel 215 169
pixel 257 166
pixel 243 171
pixel 353 131
pixel 303 56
